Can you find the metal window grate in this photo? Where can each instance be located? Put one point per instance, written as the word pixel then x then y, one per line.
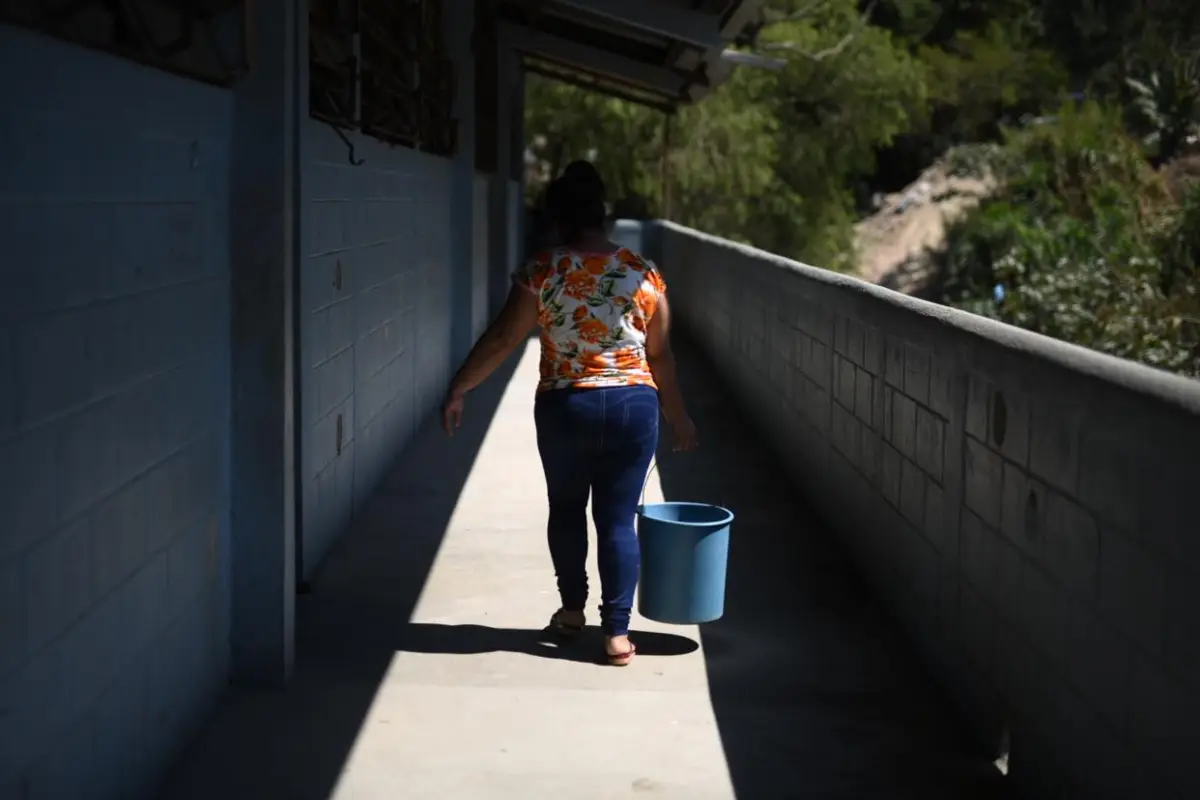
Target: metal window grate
pixel 380 66
pixel 200 39
pixel 332 65
pixel 407 78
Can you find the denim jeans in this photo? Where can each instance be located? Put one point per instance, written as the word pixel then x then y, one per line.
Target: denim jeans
pixel 599 441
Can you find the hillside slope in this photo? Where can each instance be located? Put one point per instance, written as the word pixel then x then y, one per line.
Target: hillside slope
pixel 893 242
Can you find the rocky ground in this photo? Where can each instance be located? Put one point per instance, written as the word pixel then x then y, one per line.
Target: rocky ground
pixel 894 242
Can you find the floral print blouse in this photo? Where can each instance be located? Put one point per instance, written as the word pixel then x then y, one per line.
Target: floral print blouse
pixel 593 311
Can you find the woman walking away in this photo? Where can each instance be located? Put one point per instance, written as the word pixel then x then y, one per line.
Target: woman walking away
pixel 606 371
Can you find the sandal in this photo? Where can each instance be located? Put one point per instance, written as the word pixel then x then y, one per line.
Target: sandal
pixel 622 659
pixel 566 629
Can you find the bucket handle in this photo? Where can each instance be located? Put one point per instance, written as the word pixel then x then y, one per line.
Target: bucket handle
pixel 646 483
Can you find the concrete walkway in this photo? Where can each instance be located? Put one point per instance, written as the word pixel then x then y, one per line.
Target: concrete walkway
pixel 421 673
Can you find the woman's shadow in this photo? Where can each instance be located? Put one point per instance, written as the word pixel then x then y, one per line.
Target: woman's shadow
pixel 419 637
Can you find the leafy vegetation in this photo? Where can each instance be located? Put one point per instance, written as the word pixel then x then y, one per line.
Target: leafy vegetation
pixel 1085 112
pixel 1084 243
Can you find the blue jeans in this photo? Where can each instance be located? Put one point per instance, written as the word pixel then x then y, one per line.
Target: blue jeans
pixel 599 441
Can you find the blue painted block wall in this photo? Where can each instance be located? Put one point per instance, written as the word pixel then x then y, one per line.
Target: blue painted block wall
pixel 375 344
pixel 114 417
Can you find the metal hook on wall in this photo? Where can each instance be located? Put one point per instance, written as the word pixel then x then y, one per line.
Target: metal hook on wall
pixel 356 162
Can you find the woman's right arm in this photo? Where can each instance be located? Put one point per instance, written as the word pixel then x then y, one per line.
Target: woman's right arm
pixel 662 366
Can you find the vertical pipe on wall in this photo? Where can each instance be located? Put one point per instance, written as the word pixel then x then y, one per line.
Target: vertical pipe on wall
pixel 501 223
pixel 458 24
pixel 665 167
pixel 516 175
pixel 263 254
pixel 300 113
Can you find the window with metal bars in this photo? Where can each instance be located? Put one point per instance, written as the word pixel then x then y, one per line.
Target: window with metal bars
pixel 199 39
pixel 381 66
pixel 332 64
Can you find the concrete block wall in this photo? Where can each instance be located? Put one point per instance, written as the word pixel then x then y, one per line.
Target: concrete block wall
pixel 1024 506
pixel 375 317
pixel 114 417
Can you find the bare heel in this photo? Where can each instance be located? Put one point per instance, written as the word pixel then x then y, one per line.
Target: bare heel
pixel 622 659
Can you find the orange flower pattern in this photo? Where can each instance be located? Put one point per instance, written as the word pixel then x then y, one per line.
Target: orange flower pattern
pixel 593 309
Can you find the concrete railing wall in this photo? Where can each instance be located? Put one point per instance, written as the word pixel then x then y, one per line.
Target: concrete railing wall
pixel 1024 506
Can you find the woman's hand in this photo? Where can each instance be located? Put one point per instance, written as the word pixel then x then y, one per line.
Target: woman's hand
pixel 452 410
pixel 683 435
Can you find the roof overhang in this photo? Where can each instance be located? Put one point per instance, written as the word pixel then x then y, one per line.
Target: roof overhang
pixel 661 53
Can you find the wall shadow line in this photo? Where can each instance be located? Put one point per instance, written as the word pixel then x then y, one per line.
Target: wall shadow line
pixel 294 742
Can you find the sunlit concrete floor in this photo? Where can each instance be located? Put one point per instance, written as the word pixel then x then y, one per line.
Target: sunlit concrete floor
pixel 422 672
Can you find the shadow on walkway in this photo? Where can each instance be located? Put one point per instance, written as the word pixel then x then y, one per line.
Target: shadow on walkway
pixel 294 743
pixel 476 639
pixel 816 692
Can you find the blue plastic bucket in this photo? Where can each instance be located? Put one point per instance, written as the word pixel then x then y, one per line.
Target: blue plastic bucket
pixel 685 553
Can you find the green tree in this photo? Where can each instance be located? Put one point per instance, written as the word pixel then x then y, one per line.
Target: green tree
pixel 565 122
pixel 771 157
pixel 848 89
pixel 722 163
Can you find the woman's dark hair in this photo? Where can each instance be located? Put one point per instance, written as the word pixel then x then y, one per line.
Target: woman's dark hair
pixel 575 201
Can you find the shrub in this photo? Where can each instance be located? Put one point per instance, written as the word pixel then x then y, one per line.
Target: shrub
pixel 1084 243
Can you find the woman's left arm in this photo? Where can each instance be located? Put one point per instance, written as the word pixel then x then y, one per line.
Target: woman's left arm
pixel 510 328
